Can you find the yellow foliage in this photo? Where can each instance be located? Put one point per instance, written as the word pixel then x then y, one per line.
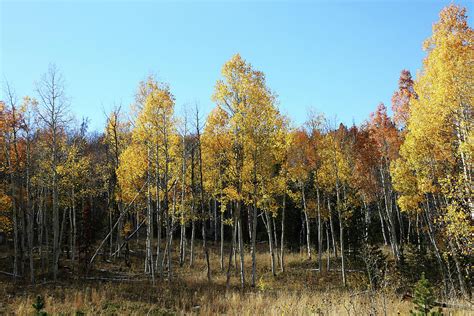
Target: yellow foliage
pixel 131 170
pixel 245 137
pixel 436 156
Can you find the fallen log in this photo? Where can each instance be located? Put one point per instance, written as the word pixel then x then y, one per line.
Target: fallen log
pixel 10 274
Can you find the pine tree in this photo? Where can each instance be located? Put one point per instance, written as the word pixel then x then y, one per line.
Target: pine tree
pixel 423 297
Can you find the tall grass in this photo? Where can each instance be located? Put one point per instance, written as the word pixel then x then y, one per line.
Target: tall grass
pixel 300 290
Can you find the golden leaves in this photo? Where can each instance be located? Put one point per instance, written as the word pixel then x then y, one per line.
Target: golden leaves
pixel 131 170
pixel 245 136
pixel 436 157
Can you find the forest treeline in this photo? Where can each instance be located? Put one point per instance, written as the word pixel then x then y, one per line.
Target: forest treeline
pixel 247 175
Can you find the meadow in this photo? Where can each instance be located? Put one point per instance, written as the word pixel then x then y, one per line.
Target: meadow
pixel 114 289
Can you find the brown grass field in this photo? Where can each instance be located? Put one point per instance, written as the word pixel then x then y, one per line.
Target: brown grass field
pixel 114 289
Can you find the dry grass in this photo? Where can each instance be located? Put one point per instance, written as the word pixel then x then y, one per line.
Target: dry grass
pixel 298 291
pixel 140 299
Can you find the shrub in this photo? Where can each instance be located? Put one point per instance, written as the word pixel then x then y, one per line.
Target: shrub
pixel 38 305
pixel 423 298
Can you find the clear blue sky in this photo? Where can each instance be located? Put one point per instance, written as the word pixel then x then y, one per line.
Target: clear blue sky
pixel 340 58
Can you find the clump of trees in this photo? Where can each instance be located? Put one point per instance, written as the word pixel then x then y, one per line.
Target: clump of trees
pixel 246 174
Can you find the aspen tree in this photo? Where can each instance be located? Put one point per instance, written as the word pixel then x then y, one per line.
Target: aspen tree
pixel 216 153
pixel 53 113
pixel 249 103
pixel 435 166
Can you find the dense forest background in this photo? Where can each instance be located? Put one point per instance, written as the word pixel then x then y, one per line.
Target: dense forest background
pixel 156 191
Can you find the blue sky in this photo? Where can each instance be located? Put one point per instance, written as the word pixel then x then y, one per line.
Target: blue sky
pixel 341 58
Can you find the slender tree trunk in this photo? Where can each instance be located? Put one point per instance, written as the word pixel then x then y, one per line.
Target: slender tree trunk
pixel 182 239
pixel 110 209
pixel 22 226
pixel 119 239
pixel 46 236
pixel 235 242
pixel 389 212
pixel 74 229
pixel 169 231
pixel 182 242
pixel 462 283
pixel 231 250
pixel 382 224
pixel 282 239
pixel 270 242
pixel 158 262
pixel 409 232
pixel 328 252
pixel 216 231
pixel 55 224
pixel 159 215
pixel 306 218
pixel 222 240
pixel 466 161
pixel 334 247
pixel 69 252
pixel 241 245
pixel 206 251
pixel 250 221
pixel 275 240
pixel 401 227
pixel 201 183
pixel 193 204
pixel 341 242
pixel 253 235
pixel 149 228
pixel 341 237
pixel 193 233
pixel 16 249
pixel 437 252
pixel 320 235
pixel 30 214
pixel 367 221
pixel 60 238
pixel 418 235
pixel 40 219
